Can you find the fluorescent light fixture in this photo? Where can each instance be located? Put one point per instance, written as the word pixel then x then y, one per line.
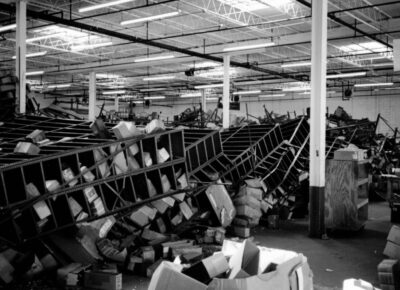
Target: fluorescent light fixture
pixel 272 96
pixel 372 85
pixel 159 78
pixel 247 47
pixel 206 64
pixel 154 98
pixel 107 76
pixel 296 64
pixel 161 57
pixel 305 93
pixel 209 86
pixel 294 89
pixel 381 64
pixel 114 92
pixel 152 90
pixel 347 75
pixel 191 95
pixel 58 86
pixel 34 73
pixel 247 92
pixel 212 99
pixel 8 27
pixel 90 46
pixel 33 54
pixel 104 5
pixel 38 38
pixel 150 18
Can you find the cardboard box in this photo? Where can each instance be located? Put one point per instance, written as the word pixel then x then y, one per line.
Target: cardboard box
pixel 221 203
pixel 132 163
pixel 27 148
pixel 248 200
pixel 162 155
pixel 147 159
pixel 36 136
pixel 168 277
pixel 245 210
pixel 69 177
pixel 42 210
pixel 241 231
pixel 166 185
pixel 151 188
pixel 119 160
pixel 244 262
pixel 292 274
pixel 103 226
pixel 353 284
pixel 155 125
pixel 103 280
pixel 139 218
pixel 125 130
pixel 161 225
pixel 349 154
pixel 74 206
pixel 149 211
pixel 160 205
pixel 208 268
pixel 133 149
pixel 182 180
pixel 186 211
pixel 176 244
pixel 148 254
pixel 90 193
pixel 392 250
pixel 169 201
pixel 256 183
pixel 152 268
pixel 394 235
pixel 87 174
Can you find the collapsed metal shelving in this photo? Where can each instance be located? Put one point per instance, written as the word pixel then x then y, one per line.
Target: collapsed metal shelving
pixel 125 174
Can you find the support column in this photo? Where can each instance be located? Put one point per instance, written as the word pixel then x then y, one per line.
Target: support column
pixel 225 98
pixel 203 100
pixel 92 96
pixel 318 119
pixel 116 104
pixel 21 54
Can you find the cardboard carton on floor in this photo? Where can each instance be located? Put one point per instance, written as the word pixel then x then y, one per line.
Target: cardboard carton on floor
pixel 208 268
pixel 392 250
pixel 186 211
pixel 139 218
pixel 155 125
pixel 36 136
pixel 287 276
pixel 357 284
pixel 221 203
pixel 168 276
pixel 244 262
pixel 394 235
pixel 103 280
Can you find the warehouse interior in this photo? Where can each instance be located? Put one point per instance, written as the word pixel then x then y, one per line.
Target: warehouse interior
pixel 214 144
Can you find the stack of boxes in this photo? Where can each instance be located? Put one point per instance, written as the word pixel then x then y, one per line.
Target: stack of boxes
pixel 389 274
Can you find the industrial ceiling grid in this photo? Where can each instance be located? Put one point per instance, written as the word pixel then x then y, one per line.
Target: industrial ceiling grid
pixel 360 40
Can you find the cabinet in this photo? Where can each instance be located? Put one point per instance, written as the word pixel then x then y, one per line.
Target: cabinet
pixel 346 194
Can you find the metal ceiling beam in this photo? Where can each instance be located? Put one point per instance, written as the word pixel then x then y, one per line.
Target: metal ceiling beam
pixel 344 23
pixel 50 18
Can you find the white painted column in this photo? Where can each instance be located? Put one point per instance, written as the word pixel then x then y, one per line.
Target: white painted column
pixel 116 104
pixel 318 119
pixel 225 97
pixel 21 54
pixel 92 96
pixel 203 100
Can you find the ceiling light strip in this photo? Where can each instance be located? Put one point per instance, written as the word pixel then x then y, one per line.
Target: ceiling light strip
pixel 151 18
pixel 34 54
pixel 159 78
pixel 247 47
pixel 247 92
pixel 8 27
pixel 120 92
pixel 296 64
pixel 34 73
pixel 209 86
pixel 161 57
pixel 346 75
pixel 90 46
pixel 104 5
pixel 154 98
pixel 373 85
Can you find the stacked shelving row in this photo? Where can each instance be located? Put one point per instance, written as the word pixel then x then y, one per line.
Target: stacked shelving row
pixel 49 193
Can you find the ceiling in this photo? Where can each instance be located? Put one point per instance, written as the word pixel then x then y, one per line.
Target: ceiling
pixel 188 45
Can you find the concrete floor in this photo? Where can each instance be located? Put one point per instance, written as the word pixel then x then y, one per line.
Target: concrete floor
pixel 342 256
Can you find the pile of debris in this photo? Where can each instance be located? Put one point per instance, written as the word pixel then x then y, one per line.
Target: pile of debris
pixel 237 266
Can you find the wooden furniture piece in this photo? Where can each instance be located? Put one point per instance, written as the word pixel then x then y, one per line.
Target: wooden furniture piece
pixel 346 194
